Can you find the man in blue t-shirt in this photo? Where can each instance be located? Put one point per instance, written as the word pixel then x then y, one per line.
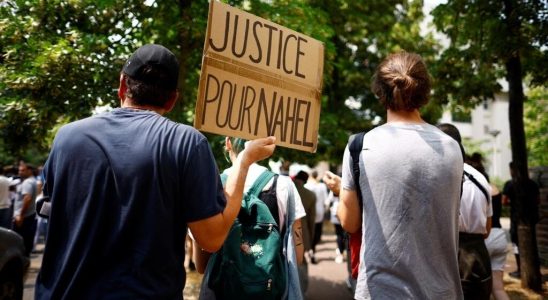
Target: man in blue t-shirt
pixel 125 185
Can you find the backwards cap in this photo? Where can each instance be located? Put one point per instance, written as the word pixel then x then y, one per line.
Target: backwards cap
pixel 156 56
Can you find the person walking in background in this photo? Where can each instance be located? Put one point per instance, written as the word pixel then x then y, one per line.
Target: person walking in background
pixel 496 242
pixel 5 201
pixel 41 223
pixel 333 201
pixel 474 226
pixel 124 186
pixel 24 215
pixel 410 181
pixel 497 245
pixel 320 190
pixel 308 199
pixel 276 195
pixel 530 208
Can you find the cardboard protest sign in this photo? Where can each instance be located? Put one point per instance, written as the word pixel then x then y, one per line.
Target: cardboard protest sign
pixel 259 79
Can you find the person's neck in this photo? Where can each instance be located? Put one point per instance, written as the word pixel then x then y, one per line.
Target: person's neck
pixel 129 104
pixel 403 116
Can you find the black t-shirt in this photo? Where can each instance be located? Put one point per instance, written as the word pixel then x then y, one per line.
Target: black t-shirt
pixel 530 205
pixel 496 202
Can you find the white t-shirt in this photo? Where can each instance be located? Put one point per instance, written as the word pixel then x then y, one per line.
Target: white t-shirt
pixel 320 190
pixel 283 185
pixel 4 192
pixel 27 187
pixel 474 208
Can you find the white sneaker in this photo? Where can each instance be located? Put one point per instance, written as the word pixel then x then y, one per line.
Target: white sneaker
pixel 338 257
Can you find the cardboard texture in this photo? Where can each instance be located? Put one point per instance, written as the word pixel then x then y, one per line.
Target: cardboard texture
pixel 259 79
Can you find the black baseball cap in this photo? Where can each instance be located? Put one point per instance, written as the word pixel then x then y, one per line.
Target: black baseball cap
pixel 156 56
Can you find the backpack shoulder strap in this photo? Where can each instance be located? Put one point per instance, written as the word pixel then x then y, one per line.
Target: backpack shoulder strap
pixel 260 183
pixel 476 182
pixel 355 145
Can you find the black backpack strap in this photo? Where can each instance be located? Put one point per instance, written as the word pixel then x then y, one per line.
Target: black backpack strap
pixel 270 198
pixel 355 145
pixel 476 182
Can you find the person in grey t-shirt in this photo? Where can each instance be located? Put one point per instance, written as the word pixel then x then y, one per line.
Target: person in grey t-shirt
pixel 24 215
pixel 410 176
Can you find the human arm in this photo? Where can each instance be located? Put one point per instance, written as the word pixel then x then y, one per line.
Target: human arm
pixel 506 192
pixel 488 225
pixel 348 210
pixel 333 182
pixel 200 257
pixel 505 200
pixel 210 233
pixel 298 240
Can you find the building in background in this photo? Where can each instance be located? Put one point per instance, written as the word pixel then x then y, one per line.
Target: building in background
pixel 487 127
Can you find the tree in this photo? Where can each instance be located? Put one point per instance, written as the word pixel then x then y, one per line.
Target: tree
pixel 364 32
pixel 536 126
pixel 69 54
pixel 57 58
pixel 490 40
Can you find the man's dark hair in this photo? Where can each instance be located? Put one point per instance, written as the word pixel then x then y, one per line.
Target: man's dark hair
pixel 302 175
pixel 27 165
pixel 153 93
pixel 453 132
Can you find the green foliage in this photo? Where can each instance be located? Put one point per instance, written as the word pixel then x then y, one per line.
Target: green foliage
pixel 364 33
pixel 60 59
pixel 491 39
pixel 57 59
pixel 467 71
pixel 471 147
pixel 536 126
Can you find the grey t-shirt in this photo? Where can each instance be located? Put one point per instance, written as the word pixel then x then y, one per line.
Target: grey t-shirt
pixel 28 186
pixel 410 178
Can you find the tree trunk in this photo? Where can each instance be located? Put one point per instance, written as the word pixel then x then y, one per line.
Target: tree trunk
pixel 530 267
pixel 188 43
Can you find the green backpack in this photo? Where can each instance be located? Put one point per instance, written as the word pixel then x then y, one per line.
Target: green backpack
pixel 250 264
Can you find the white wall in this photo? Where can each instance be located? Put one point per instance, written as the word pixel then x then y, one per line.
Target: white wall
pixel 486 119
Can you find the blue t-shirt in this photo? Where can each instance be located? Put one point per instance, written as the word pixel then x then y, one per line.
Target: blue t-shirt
pixel 123 186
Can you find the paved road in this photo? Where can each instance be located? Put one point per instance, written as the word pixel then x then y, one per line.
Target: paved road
pixel 36 261
pixel 326 278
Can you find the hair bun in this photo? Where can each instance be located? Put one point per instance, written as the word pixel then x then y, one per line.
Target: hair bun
pixel 403 81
